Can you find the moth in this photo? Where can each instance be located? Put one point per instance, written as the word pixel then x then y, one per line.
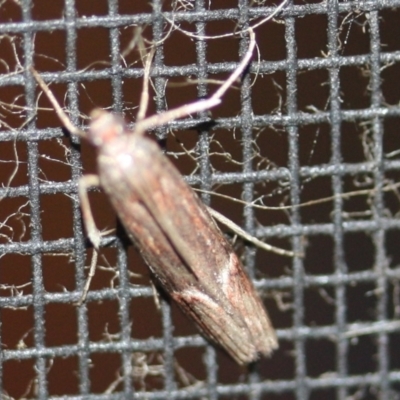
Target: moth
pixel 173 230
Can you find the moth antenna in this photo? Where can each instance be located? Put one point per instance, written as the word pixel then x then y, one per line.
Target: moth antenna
pixel 144 97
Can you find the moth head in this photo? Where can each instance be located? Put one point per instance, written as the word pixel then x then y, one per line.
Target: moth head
pixel 104 128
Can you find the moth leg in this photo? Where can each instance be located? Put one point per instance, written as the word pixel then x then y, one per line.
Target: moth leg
pixel 201 105
pixel 91 229
pixel 84 183
pixel 240 232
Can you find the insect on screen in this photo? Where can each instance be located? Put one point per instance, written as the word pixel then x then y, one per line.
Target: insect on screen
pixel 302 153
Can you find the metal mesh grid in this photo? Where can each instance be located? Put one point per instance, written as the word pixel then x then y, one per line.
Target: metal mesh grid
pixel 318 122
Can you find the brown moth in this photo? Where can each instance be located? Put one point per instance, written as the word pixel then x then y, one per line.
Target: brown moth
pixel 179 240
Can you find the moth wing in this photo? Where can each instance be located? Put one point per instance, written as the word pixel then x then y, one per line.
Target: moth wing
pixel 205 278
pixel 218 323
pixel 180 215
pixel 241 293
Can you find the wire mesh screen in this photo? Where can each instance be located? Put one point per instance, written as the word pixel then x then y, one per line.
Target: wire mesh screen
pixel 303 153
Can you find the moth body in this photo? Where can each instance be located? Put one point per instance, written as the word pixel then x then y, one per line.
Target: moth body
pixel 180 242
